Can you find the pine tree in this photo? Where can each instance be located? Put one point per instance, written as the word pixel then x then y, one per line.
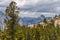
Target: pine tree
pixel 11 19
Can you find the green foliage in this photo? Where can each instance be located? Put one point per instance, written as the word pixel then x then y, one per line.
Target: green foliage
pixel 38 33
pixel 13 31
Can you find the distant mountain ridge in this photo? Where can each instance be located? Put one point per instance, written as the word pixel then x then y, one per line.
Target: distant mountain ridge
pixel 31 20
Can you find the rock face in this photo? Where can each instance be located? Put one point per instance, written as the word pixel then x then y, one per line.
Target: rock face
pixel 54 21
pixel 57 21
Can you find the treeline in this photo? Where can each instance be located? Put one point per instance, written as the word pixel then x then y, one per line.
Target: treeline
pixel 13 31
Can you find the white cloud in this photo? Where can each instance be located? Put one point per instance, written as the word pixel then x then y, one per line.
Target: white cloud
pixel 27 2
pixel 58 8
pixel 20 2
pixel 27 14
pixel 33 2
pixel 48 7
pixel 55 0
pixel 36 14
pixel 5 2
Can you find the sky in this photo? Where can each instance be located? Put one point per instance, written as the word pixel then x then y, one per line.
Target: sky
pixel 34 8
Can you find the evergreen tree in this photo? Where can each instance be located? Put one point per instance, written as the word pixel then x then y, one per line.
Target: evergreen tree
pixel 11 19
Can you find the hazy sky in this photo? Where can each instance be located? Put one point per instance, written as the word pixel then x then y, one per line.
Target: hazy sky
pixel 34 8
